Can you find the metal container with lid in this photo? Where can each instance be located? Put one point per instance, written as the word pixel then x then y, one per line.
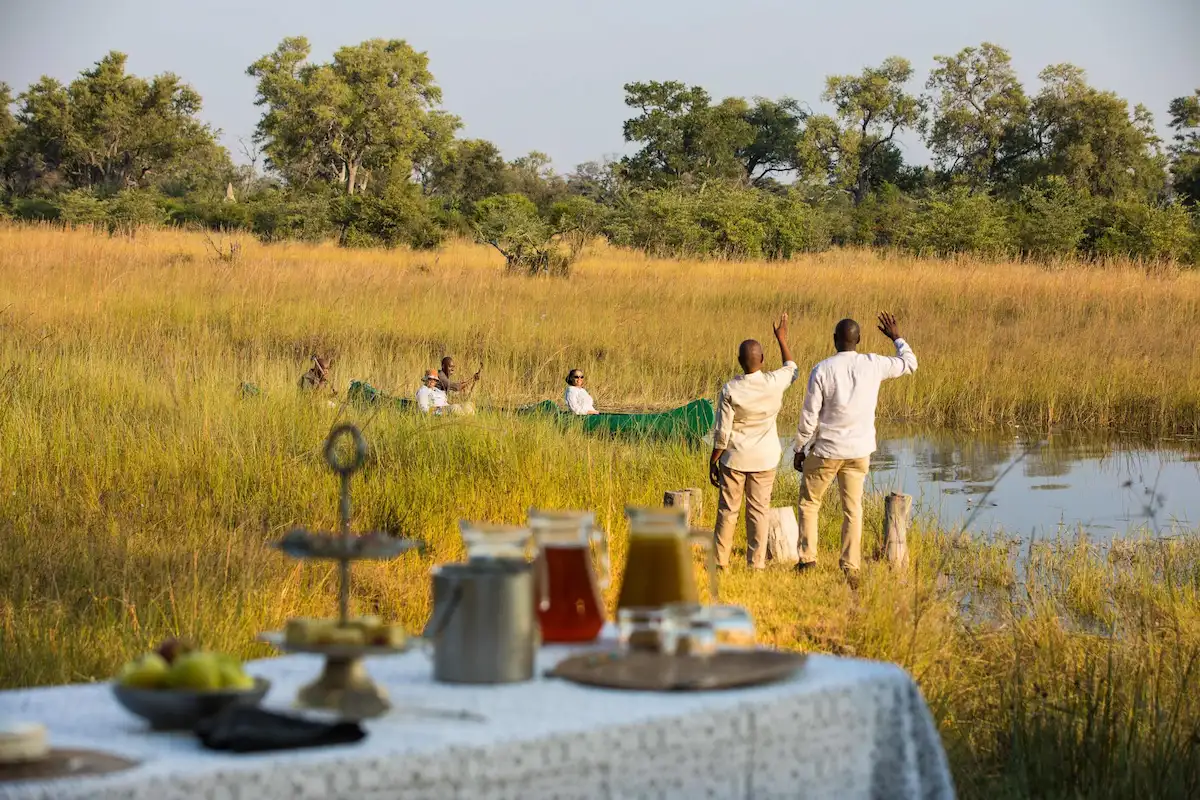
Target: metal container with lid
pixel 484 627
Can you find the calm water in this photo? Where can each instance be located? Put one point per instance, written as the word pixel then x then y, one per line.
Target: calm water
pixel 1038 486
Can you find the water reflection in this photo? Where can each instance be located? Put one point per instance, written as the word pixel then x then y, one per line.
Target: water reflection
pixel 1109 485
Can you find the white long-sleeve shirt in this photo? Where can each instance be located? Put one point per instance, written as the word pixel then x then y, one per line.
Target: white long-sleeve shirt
pixel 746 411
pixel 429 398
pixel 838 419
pixel 579 401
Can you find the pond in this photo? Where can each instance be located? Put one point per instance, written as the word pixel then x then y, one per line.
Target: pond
pixel 1037 486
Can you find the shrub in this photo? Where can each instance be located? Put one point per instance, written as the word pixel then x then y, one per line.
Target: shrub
pixel 1051 219
pixel 400 217
pixel 510 223
pixel 276 216
pixel 960 222
pixel 82 208
pixel 1133 229
pixel 133 209
pixel 35 209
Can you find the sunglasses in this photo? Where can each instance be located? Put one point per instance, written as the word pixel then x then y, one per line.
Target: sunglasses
pixel 576 377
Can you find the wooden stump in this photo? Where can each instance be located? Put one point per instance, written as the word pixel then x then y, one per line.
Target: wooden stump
pixel 896 510
pixel 690 500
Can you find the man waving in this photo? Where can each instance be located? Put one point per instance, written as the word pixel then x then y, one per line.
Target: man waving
pixel 836 436
pixel 746 447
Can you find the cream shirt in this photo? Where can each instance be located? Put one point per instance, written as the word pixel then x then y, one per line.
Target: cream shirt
pixel 579 401
pixel 745 426
pixel 838 419
pixel 430 398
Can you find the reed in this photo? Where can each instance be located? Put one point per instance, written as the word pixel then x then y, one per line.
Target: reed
pixel 141 490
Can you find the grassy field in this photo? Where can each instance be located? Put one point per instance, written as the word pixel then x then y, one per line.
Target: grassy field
pixel 140 491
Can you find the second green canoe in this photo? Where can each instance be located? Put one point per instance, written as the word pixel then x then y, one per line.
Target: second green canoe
pixel 691 422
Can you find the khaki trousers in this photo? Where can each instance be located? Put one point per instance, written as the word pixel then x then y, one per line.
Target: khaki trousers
pixel 851 474
pixel 756 488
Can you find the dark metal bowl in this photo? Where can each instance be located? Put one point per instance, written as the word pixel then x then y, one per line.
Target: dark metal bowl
pixel 174 709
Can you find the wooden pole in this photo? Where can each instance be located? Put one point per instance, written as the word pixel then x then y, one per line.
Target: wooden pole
pixel 687 499
pixel 896 510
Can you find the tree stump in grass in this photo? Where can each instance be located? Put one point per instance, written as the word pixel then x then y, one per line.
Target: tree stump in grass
pixel 690 500
pixel 896 510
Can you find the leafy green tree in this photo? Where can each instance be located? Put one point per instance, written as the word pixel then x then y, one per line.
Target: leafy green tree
pixel 1185 149
pixel 684 137
pixel 599 181
pixel 465 173
pixel 8 132
pixel 107 129
pixel 870 109
pixel 977 103
pixel 373 109
pixel 510 223
pixel 776 125
pixel 1092 139
pixel 578 220
pixel 533 176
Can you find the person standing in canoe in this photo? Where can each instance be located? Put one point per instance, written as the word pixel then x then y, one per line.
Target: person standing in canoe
pixel 746 447
pixel 578 401
pixel 836 435
pixel 448 384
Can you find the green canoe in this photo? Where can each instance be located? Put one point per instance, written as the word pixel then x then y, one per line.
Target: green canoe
pixel 691 422
pixel 364 394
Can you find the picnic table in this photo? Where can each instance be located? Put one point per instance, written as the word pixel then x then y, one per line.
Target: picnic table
pixel 840 728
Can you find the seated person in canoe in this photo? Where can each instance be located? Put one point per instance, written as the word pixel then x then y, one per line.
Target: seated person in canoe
pixel 578 401
pixel 317 377
pixel 432 398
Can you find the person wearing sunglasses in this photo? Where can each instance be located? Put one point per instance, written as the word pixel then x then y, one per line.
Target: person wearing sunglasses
pixel 579 402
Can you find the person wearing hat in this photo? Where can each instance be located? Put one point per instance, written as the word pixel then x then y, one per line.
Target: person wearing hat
pixel 431 399
pixel 578 401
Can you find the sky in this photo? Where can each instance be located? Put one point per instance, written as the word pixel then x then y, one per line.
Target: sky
pixel 548 74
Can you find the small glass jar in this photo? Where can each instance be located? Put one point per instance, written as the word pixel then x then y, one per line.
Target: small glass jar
pixel 641 629
pixel 690 631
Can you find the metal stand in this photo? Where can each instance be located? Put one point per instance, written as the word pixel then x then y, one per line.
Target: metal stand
pixel 344 686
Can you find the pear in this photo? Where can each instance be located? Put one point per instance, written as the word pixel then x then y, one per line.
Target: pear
pixel 146 672
pixel 200 672
pixel 234 678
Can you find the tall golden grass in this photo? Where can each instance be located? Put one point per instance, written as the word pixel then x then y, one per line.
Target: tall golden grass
pixel 140 491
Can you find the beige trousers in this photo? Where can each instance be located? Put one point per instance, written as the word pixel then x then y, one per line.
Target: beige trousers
pixel 851 474
pixel 756 488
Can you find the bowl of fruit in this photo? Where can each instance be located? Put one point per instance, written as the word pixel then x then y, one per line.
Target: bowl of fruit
pixel 176 686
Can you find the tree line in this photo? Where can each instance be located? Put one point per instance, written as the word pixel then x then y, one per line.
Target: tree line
pixel 360 149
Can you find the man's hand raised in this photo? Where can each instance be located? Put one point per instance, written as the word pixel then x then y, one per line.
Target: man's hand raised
pixel 888 326
pixel 781 327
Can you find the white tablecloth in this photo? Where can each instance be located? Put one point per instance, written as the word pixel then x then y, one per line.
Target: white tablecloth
pixel 841 728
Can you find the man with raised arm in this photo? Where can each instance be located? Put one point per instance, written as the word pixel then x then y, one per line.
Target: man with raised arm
pixel 836 435
pixel 447 382
pixel 746 447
